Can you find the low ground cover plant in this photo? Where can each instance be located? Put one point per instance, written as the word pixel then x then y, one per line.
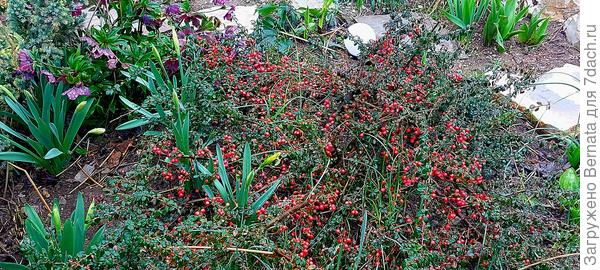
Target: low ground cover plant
pixel 363 162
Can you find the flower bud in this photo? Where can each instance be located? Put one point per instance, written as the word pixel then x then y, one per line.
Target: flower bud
pixel 97 131
pixel 80 106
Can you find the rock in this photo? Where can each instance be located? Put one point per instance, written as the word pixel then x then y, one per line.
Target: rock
pixel 571 28
pixel 362 32
pixel 81 175
pixel 558 10
pixel 93 21
pixel 446 45
pixel 318 4
pixel 377 22
pixel 244 15
pixel 551 103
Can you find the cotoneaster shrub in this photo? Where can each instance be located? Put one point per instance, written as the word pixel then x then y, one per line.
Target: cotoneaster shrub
pixel 394 136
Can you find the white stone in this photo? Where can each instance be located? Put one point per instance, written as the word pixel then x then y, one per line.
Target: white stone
pixel 551 100
pixel 93 21
pixel 571 28
pixel 377 22
pixel 317 4
pixel 362 32
pixel 245 16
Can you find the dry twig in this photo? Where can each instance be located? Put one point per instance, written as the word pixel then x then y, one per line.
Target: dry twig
pixel 33 184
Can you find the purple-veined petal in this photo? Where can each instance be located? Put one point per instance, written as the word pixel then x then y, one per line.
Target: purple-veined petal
pixel 77 91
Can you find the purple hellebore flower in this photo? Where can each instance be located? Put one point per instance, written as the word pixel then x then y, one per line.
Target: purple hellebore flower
pixel 98 52
pixel 112 63
pixel 49 76
pixel 76 91
pixel 150 22
pixel 171 65
pixel 219 2
pixel 229 15
pixel 76 12
pixel 90 41
pixel 25 62
pixel 230 31
pixel 146 20
pixel 172 9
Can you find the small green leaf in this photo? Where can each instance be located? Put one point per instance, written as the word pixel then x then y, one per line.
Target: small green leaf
pixel 569 180
pixel 133 124
pixel 573 153
pixel 52 153
pixel 266 9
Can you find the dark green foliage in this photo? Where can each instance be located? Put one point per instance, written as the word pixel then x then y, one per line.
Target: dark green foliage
pixel 53 247
pixel 278 22
pixel 534 31
pixel 465 13
pixel 52 130
pixel 501 22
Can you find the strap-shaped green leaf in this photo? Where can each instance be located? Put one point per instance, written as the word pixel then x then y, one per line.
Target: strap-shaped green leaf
pixel 37 236
pixel 265 196
pixel 78 117
pixel 96 239
pixel 17 157
pixel 136 107
pixel 66 242
pixel 12 266
pixel 52 153
pixel 223 173
pixel 133 124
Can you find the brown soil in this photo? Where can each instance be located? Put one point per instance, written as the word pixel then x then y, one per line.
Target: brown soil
pixel 555 51
pixel 118 155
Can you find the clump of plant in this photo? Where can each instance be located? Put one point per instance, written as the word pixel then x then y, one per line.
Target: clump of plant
pixel 61 244
pixel 466 13
pixel 534 31
pixel 501 22
pixel 52 130
pixel 279 23
pixel 393 150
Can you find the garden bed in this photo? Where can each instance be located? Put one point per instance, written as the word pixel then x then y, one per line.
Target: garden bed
pixel 278 150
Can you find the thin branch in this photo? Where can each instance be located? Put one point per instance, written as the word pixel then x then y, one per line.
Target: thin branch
pixel 233 249
pixel 549 259
pixel 33 184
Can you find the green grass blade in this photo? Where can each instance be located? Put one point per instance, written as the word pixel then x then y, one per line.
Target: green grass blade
pixel 363 231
